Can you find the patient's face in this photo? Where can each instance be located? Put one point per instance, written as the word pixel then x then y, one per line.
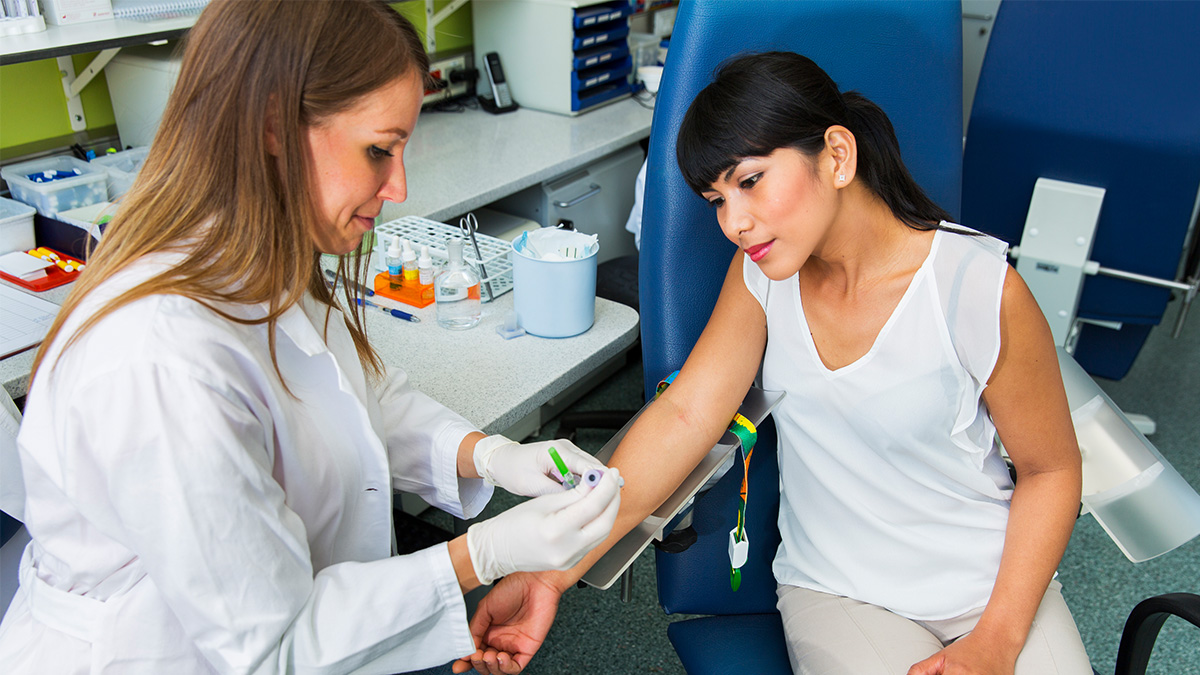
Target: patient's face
pixel 776 208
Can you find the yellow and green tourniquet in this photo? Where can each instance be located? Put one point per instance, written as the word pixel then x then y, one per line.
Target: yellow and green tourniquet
pixel 747 434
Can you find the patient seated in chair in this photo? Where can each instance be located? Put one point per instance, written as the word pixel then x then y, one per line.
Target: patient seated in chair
pixel 907 348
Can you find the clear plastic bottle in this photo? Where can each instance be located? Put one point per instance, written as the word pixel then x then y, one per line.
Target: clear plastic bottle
pixel 394 264
pixel 408 260
pixel 456 291
pixel 425 267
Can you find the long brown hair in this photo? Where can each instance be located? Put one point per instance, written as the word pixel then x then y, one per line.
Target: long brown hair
pixel 210 187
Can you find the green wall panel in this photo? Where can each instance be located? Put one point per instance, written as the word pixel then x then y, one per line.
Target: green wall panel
pixel 33 107
pixel 453 33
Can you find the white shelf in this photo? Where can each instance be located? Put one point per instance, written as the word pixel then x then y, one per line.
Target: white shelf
pixel 90 36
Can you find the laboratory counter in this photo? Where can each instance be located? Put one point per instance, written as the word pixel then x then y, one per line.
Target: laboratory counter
pixel 457 162
pixel 499 385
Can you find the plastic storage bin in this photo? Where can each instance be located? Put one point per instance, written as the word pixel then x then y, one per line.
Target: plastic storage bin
pixel 16 226
pixel 139 81
pixel 122 168
pixel 89 187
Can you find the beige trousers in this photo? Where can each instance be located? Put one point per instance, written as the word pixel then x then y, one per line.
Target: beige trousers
pixel 832 635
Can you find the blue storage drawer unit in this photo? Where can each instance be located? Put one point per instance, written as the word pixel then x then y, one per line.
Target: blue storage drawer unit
pixel 562 56
pixel 605 26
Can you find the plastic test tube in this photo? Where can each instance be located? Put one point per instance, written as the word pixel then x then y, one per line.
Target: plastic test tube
pixel 568 480
pixel 593 476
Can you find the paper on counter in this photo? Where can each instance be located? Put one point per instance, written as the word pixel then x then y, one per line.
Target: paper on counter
pixel 21 265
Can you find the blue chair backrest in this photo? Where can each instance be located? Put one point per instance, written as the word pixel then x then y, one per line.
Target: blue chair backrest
pixel 906 57
pixel 1105 94
pixel 898 54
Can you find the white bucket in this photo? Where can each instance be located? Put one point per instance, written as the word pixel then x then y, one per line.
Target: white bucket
pixel 555 295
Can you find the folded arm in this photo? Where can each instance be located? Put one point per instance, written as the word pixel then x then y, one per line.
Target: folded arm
pixel 1026 400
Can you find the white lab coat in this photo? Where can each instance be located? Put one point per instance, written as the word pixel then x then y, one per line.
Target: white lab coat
pixel 190 516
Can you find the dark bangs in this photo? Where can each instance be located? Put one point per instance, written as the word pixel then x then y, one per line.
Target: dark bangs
pixel 750 110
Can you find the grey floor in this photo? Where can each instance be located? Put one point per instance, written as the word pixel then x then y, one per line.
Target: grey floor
pixel 596 633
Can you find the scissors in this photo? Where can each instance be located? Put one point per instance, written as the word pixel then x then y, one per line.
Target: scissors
pixel 468 224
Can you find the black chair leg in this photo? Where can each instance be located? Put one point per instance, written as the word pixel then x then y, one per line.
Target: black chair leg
pixel 1146 619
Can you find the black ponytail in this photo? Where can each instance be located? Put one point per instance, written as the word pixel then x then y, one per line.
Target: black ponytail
pixel 880 166
pixel 759 103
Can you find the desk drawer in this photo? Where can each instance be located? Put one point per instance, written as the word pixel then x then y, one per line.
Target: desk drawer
pixel 587 17
pixel 596 56
pixel 592 77
pixel 603 35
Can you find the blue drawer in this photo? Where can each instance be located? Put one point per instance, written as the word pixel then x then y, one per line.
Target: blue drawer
pixel 581 100
pixel 587 17
pixel 596 38
pixel 594 77
pixel 590 58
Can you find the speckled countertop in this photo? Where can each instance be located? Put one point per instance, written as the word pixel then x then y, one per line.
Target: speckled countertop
pixel 491 381
pixel 458 162
pixel 461 161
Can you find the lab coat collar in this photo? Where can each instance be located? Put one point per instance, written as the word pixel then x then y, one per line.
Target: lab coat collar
pixel 316 330
pixel 300 324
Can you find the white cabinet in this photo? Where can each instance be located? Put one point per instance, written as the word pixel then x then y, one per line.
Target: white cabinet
pixel 596 198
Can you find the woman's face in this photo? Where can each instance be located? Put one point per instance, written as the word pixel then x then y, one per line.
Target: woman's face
pixel 357 157
pixel 776 208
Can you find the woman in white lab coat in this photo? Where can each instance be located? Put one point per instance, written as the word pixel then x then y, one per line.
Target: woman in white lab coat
pixel 210 444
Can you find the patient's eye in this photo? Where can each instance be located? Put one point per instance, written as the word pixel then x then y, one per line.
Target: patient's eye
pixel 749 181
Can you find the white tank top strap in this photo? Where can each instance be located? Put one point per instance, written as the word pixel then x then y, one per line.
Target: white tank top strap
pixel 972 267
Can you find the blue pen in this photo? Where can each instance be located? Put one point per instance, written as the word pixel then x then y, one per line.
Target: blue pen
pixel 394 312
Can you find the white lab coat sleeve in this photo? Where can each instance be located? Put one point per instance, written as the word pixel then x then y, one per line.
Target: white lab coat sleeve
pixel 12 487
pixel 422 439
pixel 189 487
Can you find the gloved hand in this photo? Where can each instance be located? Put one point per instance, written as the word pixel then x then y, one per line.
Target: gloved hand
pixel 552 532
pixel 528 470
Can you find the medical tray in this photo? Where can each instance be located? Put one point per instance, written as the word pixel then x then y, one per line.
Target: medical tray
pixel 425 232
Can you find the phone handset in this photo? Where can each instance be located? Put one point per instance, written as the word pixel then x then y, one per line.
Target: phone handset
pixel 495 72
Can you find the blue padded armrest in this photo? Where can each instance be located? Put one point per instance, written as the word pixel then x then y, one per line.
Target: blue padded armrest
pixel 873 47
pixel 696 581
pixel 720 645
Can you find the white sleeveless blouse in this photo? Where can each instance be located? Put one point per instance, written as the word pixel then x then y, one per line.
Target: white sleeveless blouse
pixel 894 492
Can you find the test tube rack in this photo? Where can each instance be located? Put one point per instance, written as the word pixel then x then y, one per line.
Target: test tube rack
pixel 425 232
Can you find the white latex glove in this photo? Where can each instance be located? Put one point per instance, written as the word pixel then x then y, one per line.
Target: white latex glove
pixel 552 532
pixel 528 470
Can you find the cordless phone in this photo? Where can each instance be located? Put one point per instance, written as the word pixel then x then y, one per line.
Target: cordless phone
pixel 495 73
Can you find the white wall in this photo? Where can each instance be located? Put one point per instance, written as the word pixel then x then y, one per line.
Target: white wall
pixel 978 17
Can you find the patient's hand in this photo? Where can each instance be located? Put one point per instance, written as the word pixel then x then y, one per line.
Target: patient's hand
pixel 971 654
pixel 510 624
